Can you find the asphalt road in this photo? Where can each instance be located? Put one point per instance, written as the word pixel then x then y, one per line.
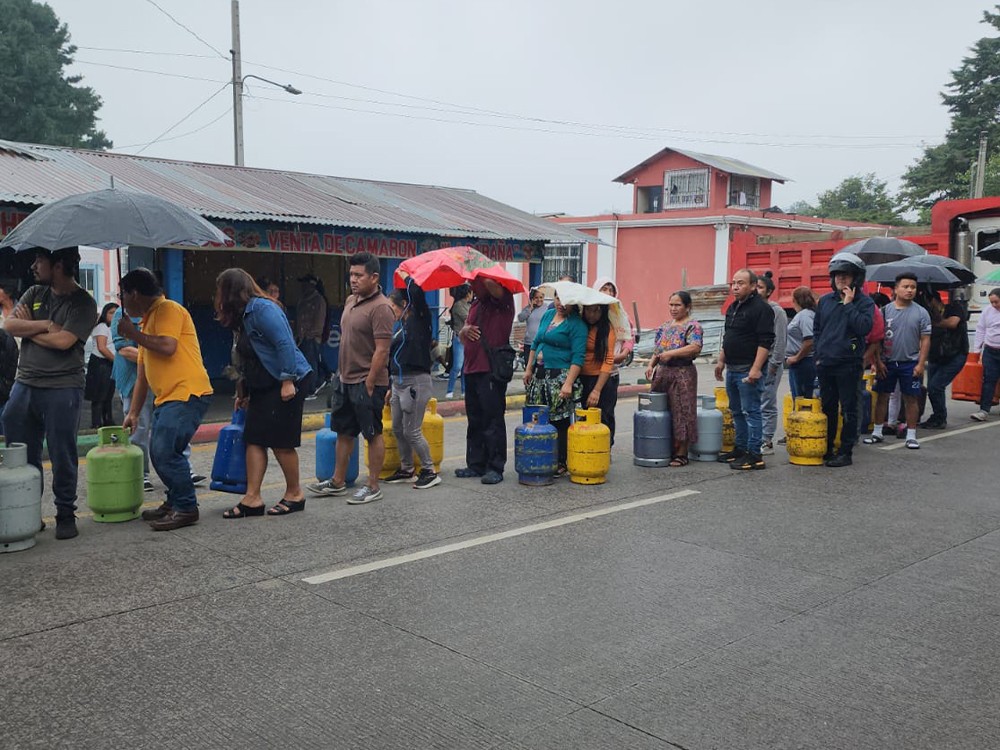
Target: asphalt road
pixel 686 608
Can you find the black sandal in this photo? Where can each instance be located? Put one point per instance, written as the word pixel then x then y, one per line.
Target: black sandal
pixel 283 507
pixel 242 511
pixel 678 460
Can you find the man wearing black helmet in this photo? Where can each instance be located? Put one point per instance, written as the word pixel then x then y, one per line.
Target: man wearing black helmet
pixel 843 319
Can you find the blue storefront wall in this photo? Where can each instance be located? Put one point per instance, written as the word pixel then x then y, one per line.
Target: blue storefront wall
pixel 333 243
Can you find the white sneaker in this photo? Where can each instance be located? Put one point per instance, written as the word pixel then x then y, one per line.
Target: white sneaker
pixel 980 416
pixel 365 494
pixel 450 394
pixel 767 448
pixel 326 488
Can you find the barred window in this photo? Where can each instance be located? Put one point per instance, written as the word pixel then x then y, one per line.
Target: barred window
pixel 686 188
pixel 562 260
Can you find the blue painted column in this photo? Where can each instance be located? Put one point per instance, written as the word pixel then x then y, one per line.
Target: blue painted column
pixel 172 263
pixel 534 274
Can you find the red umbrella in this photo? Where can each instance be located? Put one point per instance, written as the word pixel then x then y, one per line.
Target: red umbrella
pixel 451 266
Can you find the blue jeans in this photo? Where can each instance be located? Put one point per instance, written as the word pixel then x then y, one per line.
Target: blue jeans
pixel 33 414
pixel 939 377
pixel 991 374
pixel 457 363
pixel 802 378
pixel 174 424
pixel 140 433
pixel 744 402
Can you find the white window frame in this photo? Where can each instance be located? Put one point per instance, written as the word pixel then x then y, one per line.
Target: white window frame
pixel 96 270
pixel 560 260
pixel 753 199
pixel 686 199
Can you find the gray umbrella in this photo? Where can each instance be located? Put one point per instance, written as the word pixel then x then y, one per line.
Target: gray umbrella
pixel 874 250
pixel 114 218
pixel 962 272
pixel 990 253
pixel 926 273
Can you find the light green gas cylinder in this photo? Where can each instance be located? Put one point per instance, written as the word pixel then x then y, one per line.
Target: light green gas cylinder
pixel 114 477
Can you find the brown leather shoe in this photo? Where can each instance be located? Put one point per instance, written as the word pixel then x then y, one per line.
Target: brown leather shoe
pixel 175 519
pixel 155 514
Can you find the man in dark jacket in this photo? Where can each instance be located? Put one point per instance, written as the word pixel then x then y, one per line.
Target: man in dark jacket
pixel 844 317
pixel 749 336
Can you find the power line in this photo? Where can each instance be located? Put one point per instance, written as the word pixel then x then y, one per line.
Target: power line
pixel 188 30
pixel 147 52
pixel 178 136
pixel 150 72
pixel 498 113
pixel 584 133
pixel 185 117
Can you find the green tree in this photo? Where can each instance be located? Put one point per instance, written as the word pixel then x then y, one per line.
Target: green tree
pixel 859 198
pixel 39 103
pixel 802 208
pixel 973 99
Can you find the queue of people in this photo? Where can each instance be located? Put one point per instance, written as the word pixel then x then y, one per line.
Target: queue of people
pixel 154 362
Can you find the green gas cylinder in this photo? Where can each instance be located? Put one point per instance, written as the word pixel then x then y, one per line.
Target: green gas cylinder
pixel 114 477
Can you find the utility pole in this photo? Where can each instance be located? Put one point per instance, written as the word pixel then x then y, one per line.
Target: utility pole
pixel 237 85
pixel 981 166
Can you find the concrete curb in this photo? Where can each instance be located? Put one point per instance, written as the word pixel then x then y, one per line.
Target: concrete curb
pixel 209 432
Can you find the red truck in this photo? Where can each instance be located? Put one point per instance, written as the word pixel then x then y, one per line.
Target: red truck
pixel 958 229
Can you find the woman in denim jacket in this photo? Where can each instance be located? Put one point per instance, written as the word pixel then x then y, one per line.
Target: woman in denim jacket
pixel 275 379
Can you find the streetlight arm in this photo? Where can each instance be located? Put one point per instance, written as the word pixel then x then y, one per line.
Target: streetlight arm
pixel 287 86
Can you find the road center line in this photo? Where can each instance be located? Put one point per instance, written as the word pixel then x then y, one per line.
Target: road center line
pixel 950 433
pixel 392 562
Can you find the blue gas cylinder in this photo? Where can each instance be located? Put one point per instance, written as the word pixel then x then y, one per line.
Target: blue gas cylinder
pixel 326 455
pixel 536 452
pixel 229 469
pixel 652 431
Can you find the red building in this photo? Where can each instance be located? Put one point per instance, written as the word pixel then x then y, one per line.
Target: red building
pixel 686 208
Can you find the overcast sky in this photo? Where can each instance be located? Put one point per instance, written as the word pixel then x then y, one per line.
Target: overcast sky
pixel 580 90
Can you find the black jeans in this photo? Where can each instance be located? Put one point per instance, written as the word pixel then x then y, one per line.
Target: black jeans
pixel 606 402
pixel 939 377
pixel 991 373
pixel 838 387
pixel 486 434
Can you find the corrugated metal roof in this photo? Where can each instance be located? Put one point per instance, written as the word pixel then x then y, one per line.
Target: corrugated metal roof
pixel 36 174
pixel 722 163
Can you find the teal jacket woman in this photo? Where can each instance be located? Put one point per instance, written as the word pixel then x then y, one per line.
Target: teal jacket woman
pixel 551 377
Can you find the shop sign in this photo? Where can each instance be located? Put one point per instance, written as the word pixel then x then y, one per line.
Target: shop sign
pixel 264 237
pixel 10 217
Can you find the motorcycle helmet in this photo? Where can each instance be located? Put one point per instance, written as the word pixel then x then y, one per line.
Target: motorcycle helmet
pixel 847 263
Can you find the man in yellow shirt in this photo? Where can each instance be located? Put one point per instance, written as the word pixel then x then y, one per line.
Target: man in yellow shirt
pixel 169 365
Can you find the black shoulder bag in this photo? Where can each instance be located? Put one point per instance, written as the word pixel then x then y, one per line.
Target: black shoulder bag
pixel 501 361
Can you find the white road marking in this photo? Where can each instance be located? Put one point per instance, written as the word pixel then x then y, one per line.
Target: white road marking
pixel 949 433
pixel 392 562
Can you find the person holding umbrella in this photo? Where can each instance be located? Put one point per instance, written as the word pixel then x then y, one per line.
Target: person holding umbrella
pixel 53 319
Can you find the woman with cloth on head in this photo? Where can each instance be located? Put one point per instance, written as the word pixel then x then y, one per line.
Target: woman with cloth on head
pixel 410 385
pixel 598 364
pixel 799 344
pixel 99 389
pixel 671 371
pixel 551 377
pixel 275 380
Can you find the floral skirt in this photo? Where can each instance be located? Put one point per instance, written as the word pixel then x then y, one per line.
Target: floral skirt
pixel 544 391
pixel 681 386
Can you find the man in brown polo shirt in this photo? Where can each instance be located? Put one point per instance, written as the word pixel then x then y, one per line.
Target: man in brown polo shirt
pixel 357 402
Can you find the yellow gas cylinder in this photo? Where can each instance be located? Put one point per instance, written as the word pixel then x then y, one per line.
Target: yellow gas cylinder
pixel 787 407
pixel 728 428
pixel 588 448
pixel 391 463
pixel 807 433
pixel 433 429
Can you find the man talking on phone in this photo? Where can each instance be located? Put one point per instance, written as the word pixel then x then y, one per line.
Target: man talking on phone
pixel 844 317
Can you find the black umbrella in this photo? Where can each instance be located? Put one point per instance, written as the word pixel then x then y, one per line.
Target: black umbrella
pixel 111 219
pixel 926 273
pixel 990 253
pixel 962 272
pixel 874 250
